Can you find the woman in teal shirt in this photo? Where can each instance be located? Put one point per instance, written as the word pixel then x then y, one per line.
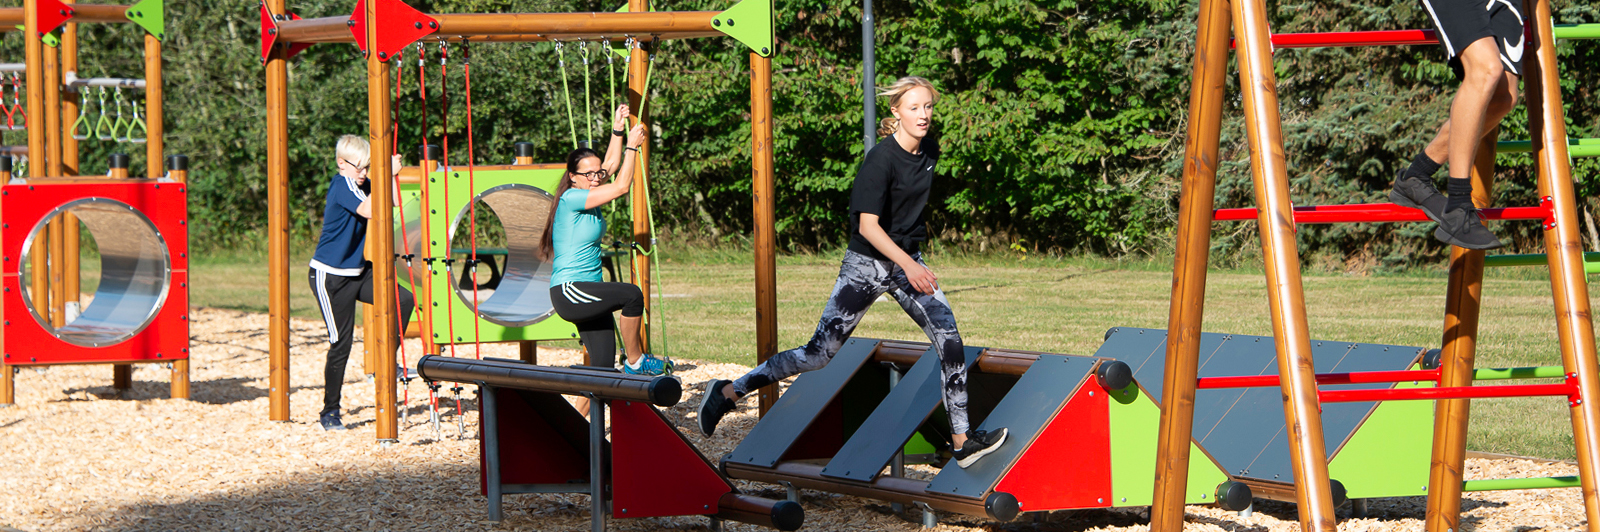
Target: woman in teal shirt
pixel 571 243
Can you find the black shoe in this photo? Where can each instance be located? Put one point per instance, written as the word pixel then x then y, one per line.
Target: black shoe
pixel 979 443
pixel 330 421
pixel 1418 193
pixel 713 406
pixel 1464 227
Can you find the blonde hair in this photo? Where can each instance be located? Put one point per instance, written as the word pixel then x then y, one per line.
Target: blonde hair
pixel 354 150
pixel 895 91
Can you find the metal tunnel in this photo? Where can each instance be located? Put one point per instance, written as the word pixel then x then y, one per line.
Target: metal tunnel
pixel 135 273
pixel 523 295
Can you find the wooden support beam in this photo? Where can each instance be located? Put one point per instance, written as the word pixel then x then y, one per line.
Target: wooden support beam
pixel 55 232
pixel 85 14
pixel 180 367
pixel 639 199
pixel 527 26
pixel 155 118
pixel 1187 309
pixel 380 231
pixel 121 374
pixel 72 266
pixel 277 87
pixel 763 194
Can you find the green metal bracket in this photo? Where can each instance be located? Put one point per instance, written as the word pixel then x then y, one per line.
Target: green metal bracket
pixel 750 22
pixel 150 15
pixel 51 39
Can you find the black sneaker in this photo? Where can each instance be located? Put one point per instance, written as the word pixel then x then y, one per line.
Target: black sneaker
pixel 979 443
pixel 1418 193
pixel 1464 227
pixel 330 421
pixel 713 406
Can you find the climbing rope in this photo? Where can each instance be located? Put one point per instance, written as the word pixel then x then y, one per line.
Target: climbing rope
pixel 427 250
pixel 21 114
pixel 472 208
pixel 561 63
pixel 588 102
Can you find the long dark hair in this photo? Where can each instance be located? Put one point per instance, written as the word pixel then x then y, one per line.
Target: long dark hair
pixel 547 241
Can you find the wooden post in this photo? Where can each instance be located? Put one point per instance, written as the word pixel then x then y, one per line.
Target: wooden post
pixel 180 367
pixel 39 276
pixel 1285 295
pixel 430 164
pixel 1563 246
pixel 55 234
pixel 1187 310
pixel 380 232
pixel 527 350
pixel 638 72
pixel 154 118
pixel 277 227
pixel 1456 355
pixel 7 373
pixel 763 199
pixel 121 374
pixel 72 280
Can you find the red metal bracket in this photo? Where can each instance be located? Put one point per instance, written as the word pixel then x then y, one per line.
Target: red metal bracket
pixel 1549 221
pixel 1575 397
pixel 269 34
pixel 398 26
pixel 52 14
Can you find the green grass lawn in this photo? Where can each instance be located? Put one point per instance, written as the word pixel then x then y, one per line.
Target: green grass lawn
pixel 1061 306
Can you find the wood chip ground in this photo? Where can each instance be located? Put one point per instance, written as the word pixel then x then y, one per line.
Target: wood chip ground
pixel 77 455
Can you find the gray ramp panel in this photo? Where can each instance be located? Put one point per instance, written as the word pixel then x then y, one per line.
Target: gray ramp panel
pixel 894 420
pixel 801 404
pixel 1036 398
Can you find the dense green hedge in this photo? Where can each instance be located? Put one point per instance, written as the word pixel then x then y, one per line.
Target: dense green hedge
pixel 1062 121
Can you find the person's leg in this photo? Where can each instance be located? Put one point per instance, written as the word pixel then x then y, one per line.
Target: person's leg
pixel 861 280
pixel 407 303
pixel 1469 111
pixel 1500 104
pixel 599 338
pixel 336 299
pixel 933 314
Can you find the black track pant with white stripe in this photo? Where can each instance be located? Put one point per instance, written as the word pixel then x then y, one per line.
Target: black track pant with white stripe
pixel 336 297
pixel 589 306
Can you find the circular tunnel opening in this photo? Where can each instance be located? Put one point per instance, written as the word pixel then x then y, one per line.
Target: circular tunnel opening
pixel 511 218
pixel 130 284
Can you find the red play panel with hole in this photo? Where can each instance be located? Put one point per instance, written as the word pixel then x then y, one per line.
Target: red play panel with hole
pixel 27 341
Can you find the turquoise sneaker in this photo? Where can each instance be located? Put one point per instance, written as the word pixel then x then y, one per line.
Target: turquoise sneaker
pixel 648 365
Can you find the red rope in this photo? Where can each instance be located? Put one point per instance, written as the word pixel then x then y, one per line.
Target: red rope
pixel 444 159
pixel 422 86
pixel 400 324
pixel 426 251
pixel 472 210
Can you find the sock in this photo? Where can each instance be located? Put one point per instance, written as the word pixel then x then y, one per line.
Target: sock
pixel 1422 166
pixel 632 364
pixel 1460 192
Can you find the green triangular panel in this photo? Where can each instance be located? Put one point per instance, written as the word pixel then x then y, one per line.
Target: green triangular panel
pixel 150 15
pixel 1388 455
pixel 1135 425
pixel 50 39
pixel 749 21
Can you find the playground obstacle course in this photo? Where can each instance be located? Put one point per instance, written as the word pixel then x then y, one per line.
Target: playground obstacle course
pixel 533 441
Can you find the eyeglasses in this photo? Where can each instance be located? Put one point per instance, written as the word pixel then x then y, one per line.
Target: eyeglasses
pixel 597 174
pixel 353 165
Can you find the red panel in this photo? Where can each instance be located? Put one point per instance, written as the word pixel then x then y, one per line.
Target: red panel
pixel 52 14
pixel 399 25
pixel 532 451
pixel 26 341
pixel 269 34
pixel 1380 212
pixel 654 471
pixel 1069 464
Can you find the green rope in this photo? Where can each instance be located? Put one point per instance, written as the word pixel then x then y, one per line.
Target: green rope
pixel 561 61
pixel 650 214
pixel 611 75
pixel 588 102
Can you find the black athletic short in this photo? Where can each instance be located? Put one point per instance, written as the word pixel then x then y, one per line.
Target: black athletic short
pixel 1463 22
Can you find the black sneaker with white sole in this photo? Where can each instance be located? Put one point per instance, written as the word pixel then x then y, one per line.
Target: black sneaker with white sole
pixel 1418 193
pixel 330 421
pixel 713 406
pixel 979 444
pixel 1464 227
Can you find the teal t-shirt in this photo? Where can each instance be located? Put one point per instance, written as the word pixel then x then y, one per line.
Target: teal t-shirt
pixel 577 240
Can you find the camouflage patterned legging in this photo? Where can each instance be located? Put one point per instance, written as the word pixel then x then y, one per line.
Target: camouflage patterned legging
pixel 861 280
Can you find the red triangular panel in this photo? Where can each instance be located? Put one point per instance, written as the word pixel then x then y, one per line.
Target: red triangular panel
pixel 399 25
pixel 1069 464
pixel 359 26
pixel 654 471
pixel 269 34
pixel 52 14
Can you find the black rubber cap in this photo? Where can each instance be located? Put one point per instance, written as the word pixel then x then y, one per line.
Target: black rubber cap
pixel 523 149
pixel 431 152
pixel 1114 375
pixel 1002 506
pixel 1339 494
pixel 665 391
pixel 1233 496
pixel 1432 359
pixel 178 162
pixel 5 163
pixel 1108 334
pixel 788 515
pixel 119 160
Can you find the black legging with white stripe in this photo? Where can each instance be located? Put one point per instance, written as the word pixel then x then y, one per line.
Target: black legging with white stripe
pixel 336 298
pixel 589 306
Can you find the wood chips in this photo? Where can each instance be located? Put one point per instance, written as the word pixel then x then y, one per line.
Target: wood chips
pixel 79 456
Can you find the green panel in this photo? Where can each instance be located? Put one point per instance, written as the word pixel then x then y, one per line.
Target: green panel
pixel 1577 31
pixel 150 15
pixel 1535 372
pixel 1575 147
pixel 1389 453
pixel 1135 423
pixel 1503 484
pixel 1532 259
pixel 750 22
pixel 458 315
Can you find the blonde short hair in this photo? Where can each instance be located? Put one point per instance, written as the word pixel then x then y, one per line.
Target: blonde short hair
pixel 897 90
pixel 354 150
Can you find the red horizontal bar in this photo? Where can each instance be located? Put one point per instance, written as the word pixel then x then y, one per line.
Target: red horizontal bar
pixel 1364 377
pixel 1378 212
pixel 1340 39
pixel 1458 392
